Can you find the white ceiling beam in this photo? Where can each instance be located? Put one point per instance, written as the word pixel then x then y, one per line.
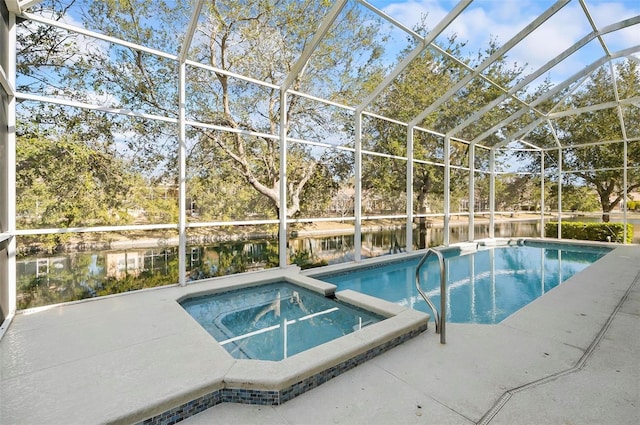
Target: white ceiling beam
pixel 391 20
pixel 191 29
pixel 436 48
pixel 593 108
pixel 602 142
pixel 542 70
pixel 93 34
pixel 595 28
pixel 491 59
pixel 500 125
pixel 88 106
pixel 406 61
pixel 614 77
pixel 5 83
pixel 302 61
pixel 13 6
pixel 584 73
pixel 25 4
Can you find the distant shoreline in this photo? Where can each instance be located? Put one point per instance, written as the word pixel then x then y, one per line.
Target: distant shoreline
pixel 295 231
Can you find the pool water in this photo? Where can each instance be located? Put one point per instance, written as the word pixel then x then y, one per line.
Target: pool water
pixel 484 286
pixel 274 321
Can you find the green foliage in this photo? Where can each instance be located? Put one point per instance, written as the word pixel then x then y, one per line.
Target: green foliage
pixel 633 205
pixel 45 290
pixel 146 279
pixel 62 182
pixel 423 82
pixel 603 232
pixel 579 198
pixel 305 260
pixel 599 166
pixel 229 173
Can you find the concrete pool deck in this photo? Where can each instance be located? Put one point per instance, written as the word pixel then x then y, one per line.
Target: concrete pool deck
pixel 571 356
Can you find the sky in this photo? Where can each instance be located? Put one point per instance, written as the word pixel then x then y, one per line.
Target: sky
pixel 502 19
pixel 484 20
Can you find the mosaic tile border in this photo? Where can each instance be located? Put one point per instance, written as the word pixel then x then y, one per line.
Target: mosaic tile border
pixel 273 398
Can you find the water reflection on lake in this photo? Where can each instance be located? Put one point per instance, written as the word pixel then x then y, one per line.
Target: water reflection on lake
pixel 47 279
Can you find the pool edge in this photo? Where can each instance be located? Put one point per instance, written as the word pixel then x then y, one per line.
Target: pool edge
pixel 273 383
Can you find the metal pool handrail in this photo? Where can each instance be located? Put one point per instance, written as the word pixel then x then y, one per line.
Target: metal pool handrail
pixel 438 318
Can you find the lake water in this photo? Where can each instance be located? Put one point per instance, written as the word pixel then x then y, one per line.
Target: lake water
pixel 51 278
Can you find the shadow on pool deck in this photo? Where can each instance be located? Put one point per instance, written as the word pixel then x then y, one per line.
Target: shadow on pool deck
pixel 95 362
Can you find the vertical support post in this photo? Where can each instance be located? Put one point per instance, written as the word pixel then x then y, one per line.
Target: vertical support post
pixel 282 209
pixel 447 188
pixel 472 191
pixel 559 193
pixel 492 192
pixel 409 230
pixel 542 205
pixel 357 237
pixel 182 144
pixel 8 281
pixel 182 170
pixel 624 193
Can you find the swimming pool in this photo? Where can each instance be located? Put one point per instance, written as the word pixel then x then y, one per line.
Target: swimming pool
pixel 484 286
pixel 274 321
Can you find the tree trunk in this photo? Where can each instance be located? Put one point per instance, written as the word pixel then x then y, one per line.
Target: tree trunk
pixel 423 207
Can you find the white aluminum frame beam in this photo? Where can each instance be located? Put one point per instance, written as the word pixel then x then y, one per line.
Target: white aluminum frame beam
pixel 592 108
pixel 583 74
pixel 602 142
pixel 357 202
pixel 472 192
pixel 406 61
pixel 390 19
pixel 107 38
pixel 8 168
pixel 447 189
pixel 542 70
pixel 182 143
pixel 436 48
pixel 542 203
pixel 25 4
pixel 13 6
pixel 556 7
pixel 302 61
pixel 409 191
pixel 585 9
pixel 92 107
pixel 5 83
pixel 623 128
pixel 191 29
pixel 296 69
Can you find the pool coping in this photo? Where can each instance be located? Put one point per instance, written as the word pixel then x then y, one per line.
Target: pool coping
pixel 275 382
pixel 61 345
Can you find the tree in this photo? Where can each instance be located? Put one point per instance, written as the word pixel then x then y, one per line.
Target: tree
pixel 258 38
pixel 600 166
pixel 425 80
pixel 63 182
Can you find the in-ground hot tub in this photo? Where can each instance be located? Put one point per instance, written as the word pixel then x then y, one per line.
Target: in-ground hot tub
pixel 276 320
pixel 356 327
